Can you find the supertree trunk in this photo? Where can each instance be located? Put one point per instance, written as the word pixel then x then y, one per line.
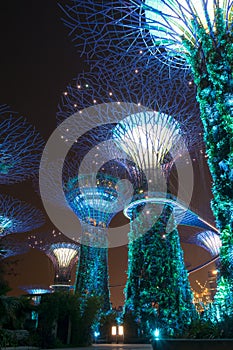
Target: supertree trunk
pixel 158 292
pixel 212 70
pixel 92 272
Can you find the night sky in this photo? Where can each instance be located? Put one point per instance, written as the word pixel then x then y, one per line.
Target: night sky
pixel 38 60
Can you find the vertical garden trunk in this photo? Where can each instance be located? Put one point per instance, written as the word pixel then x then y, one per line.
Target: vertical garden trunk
pixel 158 292
pixel 212 65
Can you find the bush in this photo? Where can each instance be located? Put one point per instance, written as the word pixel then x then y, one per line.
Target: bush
pixel 201 329
pixel 60 313
pixel 226 327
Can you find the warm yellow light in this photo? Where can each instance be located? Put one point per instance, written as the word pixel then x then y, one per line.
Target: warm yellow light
pixel 120 330
pixel 214 272
pixel 114 330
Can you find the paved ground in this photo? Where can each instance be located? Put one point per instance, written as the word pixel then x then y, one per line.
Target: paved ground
pixel 115 347
pixel 95 347
pixel 122 346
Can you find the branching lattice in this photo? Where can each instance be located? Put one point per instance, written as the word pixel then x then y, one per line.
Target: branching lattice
pixel 21 147
pixel 208 240
pixel 41 240
pixel 146 89
pixel 11 245
pixel 170 98
pixel 140 27
pixel 64 256
pixel 35 289
pixel 18 216
pixel 62 251
pixel 150 87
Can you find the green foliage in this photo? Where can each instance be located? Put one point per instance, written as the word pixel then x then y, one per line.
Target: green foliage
pixel 61 312
pixel 107 320
pixel 226 327
pixel 92 274
pixel 158 293
pixel 130 325
pixel 4 287
pixel 212 64
pixel 14 311
pixel 201 329
pixel 7 339
pixel 82 334
pixel 207 328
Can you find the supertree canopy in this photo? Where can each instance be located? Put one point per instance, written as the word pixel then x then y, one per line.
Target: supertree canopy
pixel 63 252
pixel 208 240
pixel 18 216
pixel 36 291
pixel 159 100
pixel 148 138
pixel 64 256
pixel 21 147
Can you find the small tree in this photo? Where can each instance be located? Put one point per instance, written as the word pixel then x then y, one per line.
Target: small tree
pixel 66 319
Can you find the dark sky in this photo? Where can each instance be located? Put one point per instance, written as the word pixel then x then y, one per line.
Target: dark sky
pixel 37 61
pixel 37 58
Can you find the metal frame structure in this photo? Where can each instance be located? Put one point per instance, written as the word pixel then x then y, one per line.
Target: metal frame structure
pixel 21 149
pixel 18 216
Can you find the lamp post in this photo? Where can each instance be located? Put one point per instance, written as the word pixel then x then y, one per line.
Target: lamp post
pixel 114 333
pixel 121 332
pixel 118 333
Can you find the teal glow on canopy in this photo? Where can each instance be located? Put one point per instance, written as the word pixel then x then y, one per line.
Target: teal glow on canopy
pixel 168 20
pixel 5 223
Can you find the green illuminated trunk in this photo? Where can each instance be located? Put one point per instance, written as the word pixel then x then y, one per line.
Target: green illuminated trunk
pixel 212 65
pixel 158 292
pixel 92 271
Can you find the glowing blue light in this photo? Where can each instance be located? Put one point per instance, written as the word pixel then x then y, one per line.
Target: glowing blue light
pixel 5 222
pixel 18 216
pixel 156 333
pixel 37 291
pixel 96 334
pixel 21 148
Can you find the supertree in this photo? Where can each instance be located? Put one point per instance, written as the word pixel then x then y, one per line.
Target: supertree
pixel 100 196
pixel 157 286
pixel 18 216
pixel 63 252
pixel 64 256
pixel 149 108
pixel 21 148
pixel 93 191
pixel 182 34
pixel 95 199
pixel 36 291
